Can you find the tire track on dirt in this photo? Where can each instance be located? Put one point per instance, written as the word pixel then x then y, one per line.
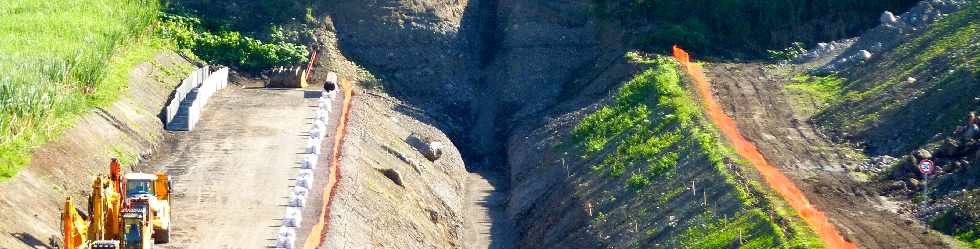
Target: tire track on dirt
pixel 825 182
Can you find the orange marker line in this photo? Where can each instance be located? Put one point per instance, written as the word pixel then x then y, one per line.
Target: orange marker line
pixel 774 178
pixel 319 231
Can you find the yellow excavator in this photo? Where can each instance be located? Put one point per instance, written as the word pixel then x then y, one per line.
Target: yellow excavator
pixel 131 212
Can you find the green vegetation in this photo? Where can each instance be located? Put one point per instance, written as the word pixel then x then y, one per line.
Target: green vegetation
pixel 720 232
pixel 933 72
pixel 749 27
pixel 794 50
pixel 651 126
pixel 58 64
pixel 962 221
pixel 229 47
pixel 647 121
pixel 814 93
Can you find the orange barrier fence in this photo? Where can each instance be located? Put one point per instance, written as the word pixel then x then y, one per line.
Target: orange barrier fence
pixel 319 231
pixel 308 73
pixel 774 178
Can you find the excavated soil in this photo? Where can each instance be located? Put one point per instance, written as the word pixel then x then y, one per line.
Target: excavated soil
pixel 754 96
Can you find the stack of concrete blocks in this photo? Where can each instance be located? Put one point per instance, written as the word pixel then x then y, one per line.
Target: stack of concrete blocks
pixel 203 84
pixel 215 82
pixel 304 180
pixel 196 78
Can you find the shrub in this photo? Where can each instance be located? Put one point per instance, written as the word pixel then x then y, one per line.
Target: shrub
pixel 229 47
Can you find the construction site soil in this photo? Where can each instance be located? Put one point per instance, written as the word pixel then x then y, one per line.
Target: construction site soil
pixel 753 94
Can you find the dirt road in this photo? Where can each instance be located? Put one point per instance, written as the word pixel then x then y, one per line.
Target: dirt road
pixel 486 222
pixel 753 95
pixel 233 172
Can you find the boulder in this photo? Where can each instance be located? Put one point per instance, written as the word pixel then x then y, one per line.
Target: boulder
pixel 888 18
pixel 430 149
pixel 922 154
pixel 950 147
pixel 864 54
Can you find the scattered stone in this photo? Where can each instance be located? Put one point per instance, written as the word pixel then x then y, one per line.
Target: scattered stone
pixel 877 164
pixel 922 154
pixel 950 147
pixel 864 54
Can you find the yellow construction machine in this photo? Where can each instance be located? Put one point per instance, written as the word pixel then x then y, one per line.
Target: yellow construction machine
pixel 131 211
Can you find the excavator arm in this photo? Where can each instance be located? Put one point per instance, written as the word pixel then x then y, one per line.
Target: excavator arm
pixel 75 226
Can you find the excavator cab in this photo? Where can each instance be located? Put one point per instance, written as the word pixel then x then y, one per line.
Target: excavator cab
pixel 140 185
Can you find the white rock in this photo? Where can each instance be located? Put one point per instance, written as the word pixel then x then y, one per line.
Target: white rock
pixel 888 18
pixel 864 54
pixel 910 80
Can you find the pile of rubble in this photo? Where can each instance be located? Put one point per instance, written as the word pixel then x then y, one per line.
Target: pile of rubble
pixel 892 30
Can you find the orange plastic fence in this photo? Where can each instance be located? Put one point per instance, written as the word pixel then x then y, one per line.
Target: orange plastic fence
pixel 774 178
pixel 319 231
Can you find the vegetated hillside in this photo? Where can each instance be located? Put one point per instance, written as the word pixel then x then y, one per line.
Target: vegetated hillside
pixel 901 99
pixel 641 170
pixel 747 28
pixel 57 64
pixel 913 100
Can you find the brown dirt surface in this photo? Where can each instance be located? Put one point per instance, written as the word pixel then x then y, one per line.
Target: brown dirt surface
pixel 754 96
pixel 232 174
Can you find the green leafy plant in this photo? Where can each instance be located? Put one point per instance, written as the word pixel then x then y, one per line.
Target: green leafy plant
pixel 229 47
pixel 789 53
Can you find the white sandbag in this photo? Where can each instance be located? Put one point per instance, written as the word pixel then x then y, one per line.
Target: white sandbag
pixel 286 238
pixel 285 231
pixel 309 162
pixel 296 200
pixel 305 181
pixel 305 172
pixel 293 217
pixel 316 133
pixel 301 191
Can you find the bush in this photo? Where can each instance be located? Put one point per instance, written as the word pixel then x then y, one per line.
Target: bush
pixel 229 47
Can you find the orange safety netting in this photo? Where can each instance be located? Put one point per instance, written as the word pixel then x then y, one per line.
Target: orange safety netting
pixel 774 178
pixel 319 231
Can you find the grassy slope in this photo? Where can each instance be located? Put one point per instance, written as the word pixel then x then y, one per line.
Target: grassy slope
pixel 895 115
pixel 877 99
pixel 59 63
pixel 652 126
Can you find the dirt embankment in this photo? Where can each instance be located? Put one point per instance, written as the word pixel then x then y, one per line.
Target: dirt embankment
pixel 753 95
pixel 31 202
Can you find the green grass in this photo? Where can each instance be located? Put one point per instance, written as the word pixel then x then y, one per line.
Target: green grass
pixel 651 126
pixel 732 232
pixel 945 61
pixel 61 58
pixel 811 94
